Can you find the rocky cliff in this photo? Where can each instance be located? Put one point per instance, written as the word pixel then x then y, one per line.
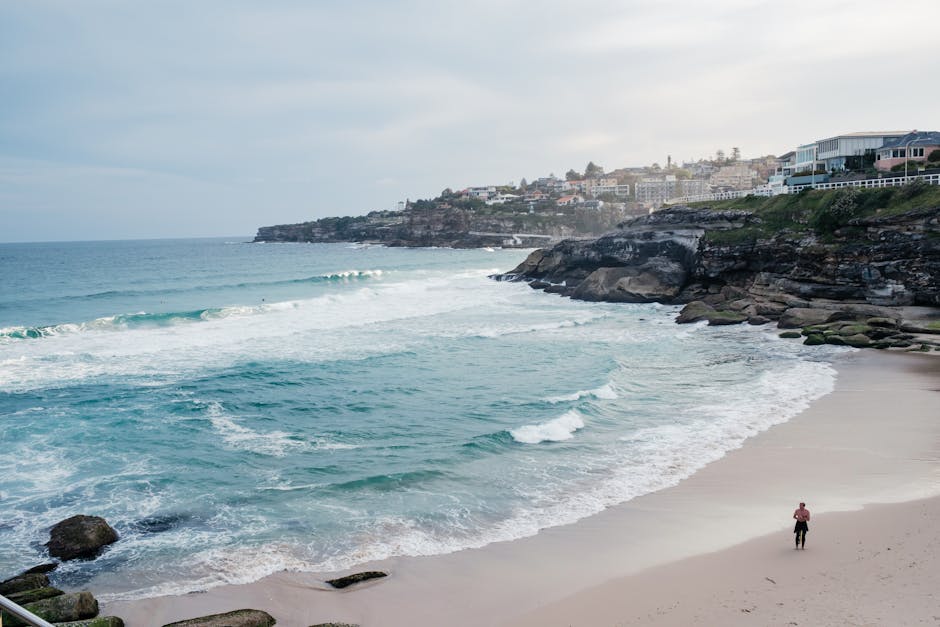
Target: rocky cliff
pixel 452 227
pixel 743 264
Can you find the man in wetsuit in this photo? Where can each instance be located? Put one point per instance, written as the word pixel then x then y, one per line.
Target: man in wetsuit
pixel 802 518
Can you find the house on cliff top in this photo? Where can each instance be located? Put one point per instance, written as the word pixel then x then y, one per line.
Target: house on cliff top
pixel 914 146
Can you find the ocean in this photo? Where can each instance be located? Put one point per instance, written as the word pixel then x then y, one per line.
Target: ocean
pixel 236 409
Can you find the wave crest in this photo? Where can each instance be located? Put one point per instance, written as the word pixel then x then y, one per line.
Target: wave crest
pixel 557 430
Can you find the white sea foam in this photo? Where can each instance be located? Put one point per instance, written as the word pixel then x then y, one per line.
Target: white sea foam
pixel 346 275
pixel 224 565
pixel 164 353
pixel 557 430
pixel 237 436
pixel 648 460
pixel 605 392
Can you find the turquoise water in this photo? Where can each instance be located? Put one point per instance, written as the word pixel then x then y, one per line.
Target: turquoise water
pixel 236 409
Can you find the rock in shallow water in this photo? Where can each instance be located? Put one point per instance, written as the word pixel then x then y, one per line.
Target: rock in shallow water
pixel 80 537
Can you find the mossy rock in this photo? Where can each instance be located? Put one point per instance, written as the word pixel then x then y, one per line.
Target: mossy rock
pixel 101 621
pixel 37 594
pixel 790 335
pixel 814 339
pixel 881 344
pixel 815 328
pixel 836 340
pixel 859 340
pixel 720 318
pixel 881 333
pixel 694 311
pixel 855 329
pixel 66 607
pixel 237 618
pixel 22 583
pixel 888 323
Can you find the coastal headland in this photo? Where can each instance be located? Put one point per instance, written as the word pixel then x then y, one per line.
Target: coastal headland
pixel 714 549
pixel 848 267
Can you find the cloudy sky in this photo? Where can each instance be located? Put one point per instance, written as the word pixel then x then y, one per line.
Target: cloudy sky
pixel 122 119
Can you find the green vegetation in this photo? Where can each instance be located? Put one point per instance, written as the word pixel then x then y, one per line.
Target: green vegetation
pixel 910 167
pixel 820 212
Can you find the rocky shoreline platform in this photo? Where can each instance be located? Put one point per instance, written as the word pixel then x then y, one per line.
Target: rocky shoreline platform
pixel 85 537
pixel 856 268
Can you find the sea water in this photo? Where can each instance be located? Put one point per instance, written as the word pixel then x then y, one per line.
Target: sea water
pixel 236 409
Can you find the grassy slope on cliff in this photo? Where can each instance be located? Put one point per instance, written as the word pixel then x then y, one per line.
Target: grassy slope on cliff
pixel 821 212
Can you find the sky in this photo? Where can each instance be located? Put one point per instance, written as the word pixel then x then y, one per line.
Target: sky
pixel 126 119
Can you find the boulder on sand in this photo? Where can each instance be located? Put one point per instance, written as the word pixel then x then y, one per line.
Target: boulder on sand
pixel 349 580
pixel 100 621
pixel 237 618
pixel 80 537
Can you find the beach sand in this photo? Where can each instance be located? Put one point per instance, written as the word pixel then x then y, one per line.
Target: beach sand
pixel 716 549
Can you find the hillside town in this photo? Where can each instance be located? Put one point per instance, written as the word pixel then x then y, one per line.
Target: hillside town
pixel 593 201
pixel 639 190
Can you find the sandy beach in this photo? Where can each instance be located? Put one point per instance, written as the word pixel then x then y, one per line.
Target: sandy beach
pixel 716 549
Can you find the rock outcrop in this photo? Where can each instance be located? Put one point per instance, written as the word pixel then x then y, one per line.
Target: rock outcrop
pixel 31 590
pixel 237 618
pixel 23 582
pixel 59 609
pixel 728 267
pixel 80 537
pixel 436 225
pixel 100 621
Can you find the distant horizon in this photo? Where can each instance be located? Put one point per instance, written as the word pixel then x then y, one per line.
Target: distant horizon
pixel 129 239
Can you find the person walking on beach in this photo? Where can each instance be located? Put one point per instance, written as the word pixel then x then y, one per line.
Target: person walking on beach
pixel 799 530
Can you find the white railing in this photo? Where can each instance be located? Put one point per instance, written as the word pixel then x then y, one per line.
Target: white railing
pixel 898 181
pixel 22 613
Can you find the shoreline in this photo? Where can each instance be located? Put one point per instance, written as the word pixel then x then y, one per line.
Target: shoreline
pixel 841 454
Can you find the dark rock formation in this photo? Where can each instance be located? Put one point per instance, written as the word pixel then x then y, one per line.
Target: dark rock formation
pixel 439 224
pixel 658 279
pixel 23 582
pixel 237 618
pixel 100 621
pixel 887 261
pixel 48 567
pixel 727 267
pixel 349 580
pixel 66 607
pixel 80 537
pixel 36 594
